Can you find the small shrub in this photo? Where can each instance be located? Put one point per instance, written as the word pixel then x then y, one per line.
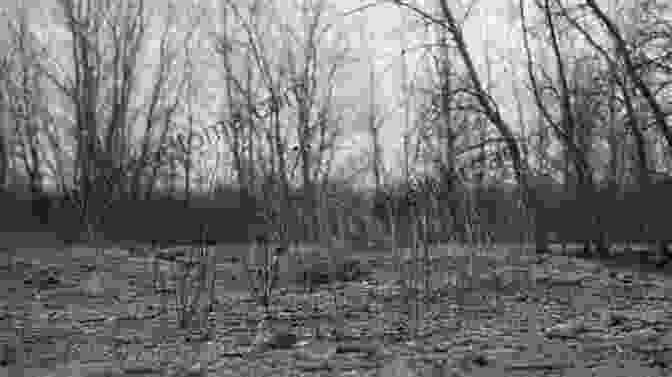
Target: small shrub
pixel 263 274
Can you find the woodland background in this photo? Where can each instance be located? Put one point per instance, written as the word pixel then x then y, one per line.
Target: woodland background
pixel 126 121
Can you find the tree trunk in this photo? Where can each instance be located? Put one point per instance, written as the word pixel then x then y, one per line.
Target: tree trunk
pixel 4 147
pixel 659 115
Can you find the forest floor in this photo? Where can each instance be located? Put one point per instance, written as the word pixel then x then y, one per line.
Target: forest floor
pixel 538 316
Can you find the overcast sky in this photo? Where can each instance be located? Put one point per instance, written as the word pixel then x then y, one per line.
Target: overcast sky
pixel 488 32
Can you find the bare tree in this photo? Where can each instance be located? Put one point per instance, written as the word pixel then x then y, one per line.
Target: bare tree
pixel 267 90
pixel 624 53
pixel 104 100
pixel 265 105
pixel 567 128
pixel 105 42
pixel 375 122
pixel 251 122
pixel 483 102
pixel 5 145
pixel 25 100
pixel 629 77
pixel 164 102
pixel 4 157
pixel 312 67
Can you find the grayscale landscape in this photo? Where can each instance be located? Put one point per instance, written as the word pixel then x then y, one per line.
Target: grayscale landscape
pixel 393 188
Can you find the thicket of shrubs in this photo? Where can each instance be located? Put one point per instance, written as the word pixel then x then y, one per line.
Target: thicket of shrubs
pixel 632 215
pixel 166 220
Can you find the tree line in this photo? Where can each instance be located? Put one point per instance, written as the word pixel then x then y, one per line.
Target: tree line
pixel 104 107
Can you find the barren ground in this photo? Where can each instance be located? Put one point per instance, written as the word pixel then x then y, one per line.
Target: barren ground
pixel 562 316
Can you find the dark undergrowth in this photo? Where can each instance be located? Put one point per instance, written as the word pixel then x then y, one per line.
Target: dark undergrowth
pixel 639 257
